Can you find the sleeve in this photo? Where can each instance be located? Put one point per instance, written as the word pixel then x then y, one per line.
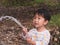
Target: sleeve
pixel 44 40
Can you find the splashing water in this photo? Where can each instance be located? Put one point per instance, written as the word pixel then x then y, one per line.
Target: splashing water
pixel 13 19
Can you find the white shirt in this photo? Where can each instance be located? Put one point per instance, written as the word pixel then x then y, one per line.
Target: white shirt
pixel 41 38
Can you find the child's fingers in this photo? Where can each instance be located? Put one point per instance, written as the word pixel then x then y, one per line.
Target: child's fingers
pixel 24 30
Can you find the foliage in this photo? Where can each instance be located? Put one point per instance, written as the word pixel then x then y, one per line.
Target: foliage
pixel 55 20
pixel 39 1
pixel 16 2
pixel 28 2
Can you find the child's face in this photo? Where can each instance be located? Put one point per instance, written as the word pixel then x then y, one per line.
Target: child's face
pixel 39 21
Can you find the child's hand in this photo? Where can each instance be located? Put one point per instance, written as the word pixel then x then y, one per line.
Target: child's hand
pixel 29 40
pixel 24 31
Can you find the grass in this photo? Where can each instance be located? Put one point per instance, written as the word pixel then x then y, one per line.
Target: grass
pixel 55 20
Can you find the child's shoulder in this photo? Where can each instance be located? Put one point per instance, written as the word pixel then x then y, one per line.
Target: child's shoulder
pixel 46 32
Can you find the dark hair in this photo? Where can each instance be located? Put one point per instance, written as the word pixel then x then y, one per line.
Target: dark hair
pixel 45 13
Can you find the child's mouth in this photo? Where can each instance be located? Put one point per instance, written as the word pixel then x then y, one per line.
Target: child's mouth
pixel 36 23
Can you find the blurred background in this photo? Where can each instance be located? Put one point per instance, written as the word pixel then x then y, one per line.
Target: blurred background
pixel 23 11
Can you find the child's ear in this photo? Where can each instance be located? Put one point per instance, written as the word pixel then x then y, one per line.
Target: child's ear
pixel 45 23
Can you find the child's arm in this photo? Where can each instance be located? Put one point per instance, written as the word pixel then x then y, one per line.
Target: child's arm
pixel 24 31
pixel 28 39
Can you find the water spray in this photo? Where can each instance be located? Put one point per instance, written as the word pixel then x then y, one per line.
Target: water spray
pixel 13 19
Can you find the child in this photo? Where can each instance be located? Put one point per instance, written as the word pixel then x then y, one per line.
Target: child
pixel 38 35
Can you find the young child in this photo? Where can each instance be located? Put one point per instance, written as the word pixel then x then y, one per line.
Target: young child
pixel 38 35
